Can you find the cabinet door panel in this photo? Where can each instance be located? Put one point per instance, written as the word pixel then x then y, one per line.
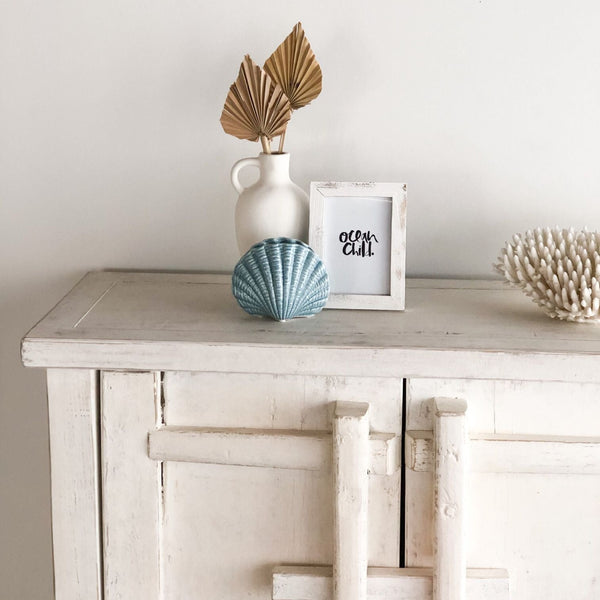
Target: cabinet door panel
pixel 526 407
pixel 543 527
pixel 190 530
pixel 258 518
pixel 226 527
pixel 277 401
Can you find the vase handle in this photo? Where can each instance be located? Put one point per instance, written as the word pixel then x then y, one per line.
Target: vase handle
pixel 237 167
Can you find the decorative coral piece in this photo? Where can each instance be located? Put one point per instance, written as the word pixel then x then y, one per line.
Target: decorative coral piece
pixel 559 269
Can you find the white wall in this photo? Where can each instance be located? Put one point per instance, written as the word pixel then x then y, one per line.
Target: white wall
pixel 111 155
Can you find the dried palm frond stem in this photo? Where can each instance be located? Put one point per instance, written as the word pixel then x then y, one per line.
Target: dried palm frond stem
pixel 256 107
pixel 294 67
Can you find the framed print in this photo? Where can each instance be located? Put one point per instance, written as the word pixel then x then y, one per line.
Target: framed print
pixel 359 231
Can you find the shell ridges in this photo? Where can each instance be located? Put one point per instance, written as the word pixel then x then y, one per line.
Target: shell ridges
pixel 281 278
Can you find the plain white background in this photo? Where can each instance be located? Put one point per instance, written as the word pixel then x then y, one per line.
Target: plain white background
pixel 112 156
pixel 349 273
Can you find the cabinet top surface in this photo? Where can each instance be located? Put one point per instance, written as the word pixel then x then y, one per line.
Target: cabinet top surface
pixel 192 322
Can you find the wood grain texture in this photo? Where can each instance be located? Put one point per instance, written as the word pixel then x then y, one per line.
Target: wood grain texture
pixel 226 526
pixel 532 386
pixel 137 321
pixel 74 451
pixel 537 525
pixel 503 453
pixel 351 498
pixel 512 407
pixel 290 511
pixel 131 490
pixel 266 401
pixel 315 583
pixel 449 542
pixel 269 448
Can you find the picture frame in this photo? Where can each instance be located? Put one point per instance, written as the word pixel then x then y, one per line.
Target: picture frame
pixel 359 231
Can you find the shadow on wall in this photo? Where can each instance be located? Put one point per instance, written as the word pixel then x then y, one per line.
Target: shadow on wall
pixel 25 528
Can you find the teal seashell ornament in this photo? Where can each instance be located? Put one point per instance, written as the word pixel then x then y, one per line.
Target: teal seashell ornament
pixel 281 278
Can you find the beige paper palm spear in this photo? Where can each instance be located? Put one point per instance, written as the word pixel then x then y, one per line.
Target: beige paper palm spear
pixel 294 67
pixel 256 107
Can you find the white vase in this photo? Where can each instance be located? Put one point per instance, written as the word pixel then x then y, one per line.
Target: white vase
pixel 274 206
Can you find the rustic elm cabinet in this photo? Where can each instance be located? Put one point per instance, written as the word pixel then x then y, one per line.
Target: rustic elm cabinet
pixel 199 453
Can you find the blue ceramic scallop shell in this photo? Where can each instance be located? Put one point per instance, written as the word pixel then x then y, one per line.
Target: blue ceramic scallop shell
pixel 280 278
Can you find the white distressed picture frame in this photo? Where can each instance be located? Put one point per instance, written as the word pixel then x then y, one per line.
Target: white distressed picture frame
pixel 319 192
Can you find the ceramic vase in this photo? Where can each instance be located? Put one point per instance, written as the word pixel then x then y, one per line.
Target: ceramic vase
pixel 272 207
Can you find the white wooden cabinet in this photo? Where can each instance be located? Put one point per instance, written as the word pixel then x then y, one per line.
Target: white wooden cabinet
pixel 451 451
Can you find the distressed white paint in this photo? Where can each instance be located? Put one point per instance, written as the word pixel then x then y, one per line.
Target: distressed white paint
pixel 266 401
pixel 255 374
pixel 319 191
pixel 351 497
pixel 537 525
pixel 511 406
pixel 131 486
pixel 278 449
pixel 315 583
pixel 73 420
pixel 289 511
pixel 480 393
pixel 420 451
pixel 384 519
pixel 450 443
pixel 503 453
pixel 226 526
pixel 480 330
pixel 545 409
pixel 544 529
pixel 384 453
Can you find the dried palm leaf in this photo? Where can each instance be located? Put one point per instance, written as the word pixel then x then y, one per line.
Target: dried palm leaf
pixel 255 107
pixel 294 67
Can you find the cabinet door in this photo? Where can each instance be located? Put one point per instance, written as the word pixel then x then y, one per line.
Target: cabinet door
pixel 533 487
pixel 211 480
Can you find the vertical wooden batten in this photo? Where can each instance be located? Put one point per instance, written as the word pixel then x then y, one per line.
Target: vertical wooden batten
pixel 131 491
pixel 351 488
pixel 76 530
pixel 450 435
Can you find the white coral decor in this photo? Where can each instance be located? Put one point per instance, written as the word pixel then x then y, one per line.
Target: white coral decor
pixel 558 268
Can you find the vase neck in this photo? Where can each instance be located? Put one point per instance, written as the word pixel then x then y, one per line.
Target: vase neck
pixel 274 168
